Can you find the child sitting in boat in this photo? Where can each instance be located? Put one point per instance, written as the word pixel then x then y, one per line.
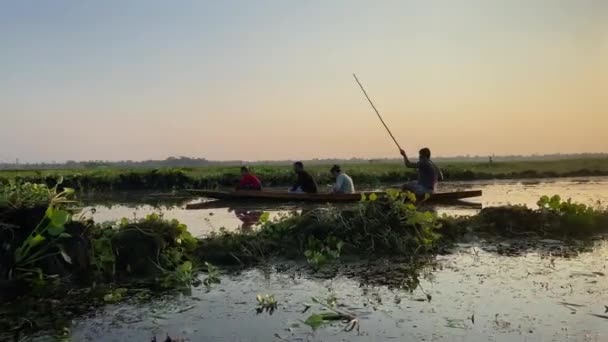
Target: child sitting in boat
pixel 344 184
pixel 248 180
pixel 428 173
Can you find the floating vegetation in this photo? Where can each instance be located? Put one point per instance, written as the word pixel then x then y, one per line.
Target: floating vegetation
pixel 332 314
pixel 213 275
pixel 266 303
pixel 554 218
pixel 382 227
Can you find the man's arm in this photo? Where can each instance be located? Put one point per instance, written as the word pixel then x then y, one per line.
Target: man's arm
pixel 408 163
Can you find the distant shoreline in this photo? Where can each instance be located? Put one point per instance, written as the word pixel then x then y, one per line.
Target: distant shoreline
pixel 202 162
pixel 178 178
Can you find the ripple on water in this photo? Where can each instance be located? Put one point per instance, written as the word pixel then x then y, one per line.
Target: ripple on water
pixel 475 295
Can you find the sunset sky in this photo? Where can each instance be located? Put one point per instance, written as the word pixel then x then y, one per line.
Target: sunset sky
pixel 251 80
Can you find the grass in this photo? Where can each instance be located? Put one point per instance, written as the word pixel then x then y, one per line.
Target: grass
pixel 108 178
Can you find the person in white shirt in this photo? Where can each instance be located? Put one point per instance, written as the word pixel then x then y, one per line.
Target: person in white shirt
pixel 344 184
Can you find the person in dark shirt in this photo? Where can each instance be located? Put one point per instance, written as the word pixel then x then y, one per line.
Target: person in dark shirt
pixel 305 182
pixel 428 173
pixel 248 180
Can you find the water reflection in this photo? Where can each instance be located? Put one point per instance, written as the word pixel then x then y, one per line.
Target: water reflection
pixel 248 217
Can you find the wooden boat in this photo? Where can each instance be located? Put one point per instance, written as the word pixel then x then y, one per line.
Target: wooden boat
pixel 264 205
pixel 282 196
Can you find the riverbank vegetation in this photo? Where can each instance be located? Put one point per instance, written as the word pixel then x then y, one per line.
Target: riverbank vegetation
pixel 54 258
pixel 106 178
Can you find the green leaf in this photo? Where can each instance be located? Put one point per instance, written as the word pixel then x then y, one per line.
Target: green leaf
pixel 49 212
pixel 411 197
pixel 373 197
pixel 331 316
pixel 264 217
pixel 65 235
pixel 363 198
pixel 186 267
pixel 59 217
pixel 339 245
pixel 56 230
pixel 36 240
pixel 314 321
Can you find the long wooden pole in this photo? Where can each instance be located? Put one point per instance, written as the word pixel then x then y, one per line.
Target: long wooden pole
pixel 377 113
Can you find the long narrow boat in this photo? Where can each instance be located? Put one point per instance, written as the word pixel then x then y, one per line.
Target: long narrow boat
pixel 262 205
pixel 283 196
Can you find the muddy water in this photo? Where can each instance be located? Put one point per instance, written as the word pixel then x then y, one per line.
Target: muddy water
pixel 476 295
pixel 200 222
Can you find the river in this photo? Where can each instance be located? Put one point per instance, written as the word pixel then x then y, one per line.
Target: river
pixel 546 291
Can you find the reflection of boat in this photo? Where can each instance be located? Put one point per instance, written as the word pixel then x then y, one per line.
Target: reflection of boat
pixel 282 196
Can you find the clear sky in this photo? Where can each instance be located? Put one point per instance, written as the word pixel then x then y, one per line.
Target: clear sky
pixel 127 79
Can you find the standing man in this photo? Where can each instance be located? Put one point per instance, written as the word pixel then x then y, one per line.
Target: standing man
pixel 344 184
pixel 428 173
pixel 305 182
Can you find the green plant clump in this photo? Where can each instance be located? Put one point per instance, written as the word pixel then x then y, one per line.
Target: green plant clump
pixel 387 226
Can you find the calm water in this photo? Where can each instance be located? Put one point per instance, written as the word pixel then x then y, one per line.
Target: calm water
pixel 477 294
pixel 495 193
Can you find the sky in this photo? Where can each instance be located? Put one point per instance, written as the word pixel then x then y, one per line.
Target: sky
pixel 259 80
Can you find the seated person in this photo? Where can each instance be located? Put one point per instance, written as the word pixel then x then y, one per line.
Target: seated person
pixel 305 182
pixel 344 184
pixel 248 180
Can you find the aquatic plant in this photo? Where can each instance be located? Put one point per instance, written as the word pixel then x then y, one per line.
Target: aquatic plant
pixel 331 314
pixel 45 240
pixel 266 303
pixel 213 275
pixel 375 226
pixel 318 252
pixel 25 194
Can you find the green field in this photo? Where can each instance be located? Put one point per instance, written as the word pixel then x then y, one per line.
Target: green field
pixel 105 178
